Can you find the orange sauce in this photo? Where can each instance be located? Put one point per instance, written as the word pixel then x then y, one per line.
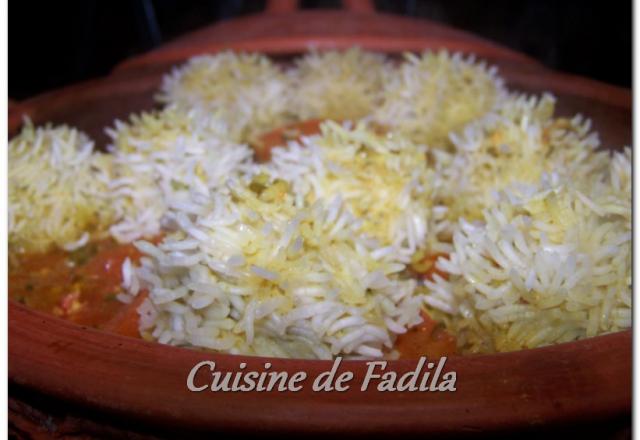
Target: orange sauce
pixel 426 339
pixel 282 135
pixel 426 268
pixel 80 286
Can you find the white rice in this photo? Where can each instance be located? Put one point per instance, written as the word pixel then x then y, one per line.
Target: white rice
pixel 57 189
pixel 246 90
pixel 436 93
pixel 320 300
pixel 168 159
pixel 552 267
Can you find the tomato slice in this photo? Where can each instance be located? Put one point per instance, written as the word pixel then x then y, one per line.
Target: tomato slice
pixel 282 135
pixel 80 286
pixel 426 267
pixel 426 339
pixel 126 320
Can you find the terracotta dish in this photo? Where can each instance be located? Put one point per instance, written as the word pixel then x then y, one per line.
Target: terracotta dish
pixel 583 381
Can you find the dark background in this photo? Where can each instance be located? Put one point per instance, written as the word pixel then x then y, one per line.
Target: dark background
pixel 54 43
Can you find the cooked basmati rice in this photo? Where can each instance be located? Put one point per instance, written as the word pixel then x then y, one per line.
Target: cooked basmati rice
pixel 265 277
pixel 344 163
pixel 338 85
pixel 548 262
pixel 164 160
pixel 246 90
pixel 436 93
pixel 518 142
pixel 57 189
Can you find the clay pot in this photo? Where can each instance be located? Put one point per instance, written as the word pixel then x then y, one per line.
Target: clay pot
pixel 129 379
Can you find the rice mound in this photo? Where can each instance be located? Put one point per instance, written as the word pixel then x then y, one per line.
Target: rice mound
pixel 163 159
pixel 436 93
pixel 337 85
pixel 518 142
pixel 57 189
pixel 547 263
pixel 347 162
pixel 246 90
pixel 251 273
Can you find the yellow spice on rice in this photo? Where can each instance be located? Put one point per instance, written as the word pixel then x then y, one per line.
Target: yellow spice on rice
pixel 57 189
pixel 338 85
pixel 246 90
pixel 436 93
pixel 548 263
pixel 518 142
pixel 349 162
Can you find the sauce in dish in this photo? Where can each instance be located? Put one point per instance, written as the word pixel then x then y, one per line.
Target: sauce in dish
pixel 81 286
